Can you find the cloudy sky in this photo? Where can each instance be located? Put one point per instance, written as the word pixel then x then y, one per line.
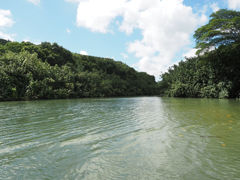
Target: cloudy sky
pixel 149 35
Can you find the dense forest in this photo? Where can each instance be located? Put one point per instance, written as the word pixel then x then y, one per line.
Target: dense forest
pixel 215 71
pixel 48 71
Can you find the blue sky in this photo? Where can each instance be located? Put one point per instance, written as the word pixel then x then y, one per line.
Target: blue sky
pixel 147 35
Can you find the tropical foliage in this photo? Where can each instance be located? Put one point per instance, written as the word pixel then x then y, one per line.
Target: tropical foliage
pixel 47 71
pixel 222 29
pixel 214 73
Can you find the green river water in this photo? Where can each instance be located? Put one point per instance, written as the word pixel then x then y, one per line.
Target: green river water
pixel 120 138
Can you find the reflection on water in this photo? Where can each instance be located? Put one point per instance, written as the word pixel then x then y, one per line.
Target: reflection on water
pixel 120 138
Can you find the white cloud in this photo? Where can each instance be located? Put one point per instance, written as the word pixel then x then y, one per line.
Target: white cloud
pixel 5 22
pixel 154 65
pixel 35 2
pixel 5 18
pixel 97 15
pixel 215 7
pixel 234 4
pixel 83 52
pixel 166 27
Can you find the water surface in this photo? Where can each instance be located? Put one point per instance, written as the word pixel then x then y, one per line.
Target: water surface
pixel 120 138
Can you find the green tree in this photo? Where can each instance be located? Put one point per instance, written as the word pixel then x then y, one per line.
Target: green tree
pixel 222 29
pixel 48 71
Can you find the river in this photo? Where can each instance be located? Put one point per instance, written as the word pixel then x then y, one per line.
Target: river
pixel 120 138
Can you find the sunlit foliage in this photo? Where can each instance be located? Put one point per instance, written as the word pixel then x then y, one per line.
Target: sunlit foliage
pixel 212 74
pixel 48 71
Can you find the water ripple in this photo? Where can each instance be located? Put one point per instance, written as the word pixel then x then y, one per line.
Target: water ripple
pixel 120 138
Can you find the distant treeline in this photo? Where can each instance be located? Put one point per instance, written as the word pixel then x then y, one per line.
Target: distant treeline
pixel 215 72
pixel 48 71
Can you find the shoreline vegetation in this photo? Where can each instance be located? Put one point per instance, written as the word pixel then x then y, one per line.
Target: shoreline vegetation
pixel 215 71
pixel 49 71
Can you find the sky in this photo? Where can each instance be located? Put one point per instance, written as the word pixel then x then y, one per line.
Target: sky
pixel 149 35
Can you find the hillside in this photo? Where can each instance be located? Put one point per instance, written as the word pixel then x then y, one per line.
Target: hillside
pixel 49 71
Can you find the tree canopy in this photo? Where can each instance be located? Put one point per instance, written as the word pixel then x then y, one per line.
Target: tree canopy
pixel 222 29
pixel 49 71
pixel 212 74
